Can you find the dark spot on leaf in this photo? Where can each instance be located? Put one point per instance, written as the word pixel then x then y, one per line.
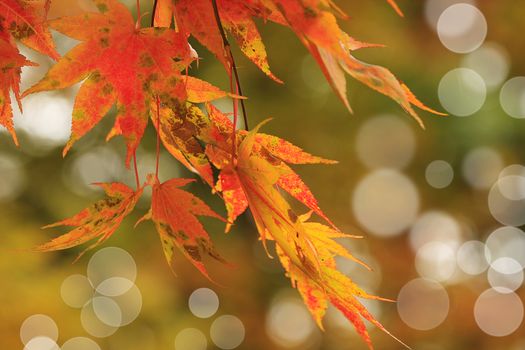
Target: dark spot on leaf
pixel 146 60
pixel 193 252
pixel 112 201
pixel 182 235
pixel 309 12
pixel 107 89
pixel 292 215
pixel 104 42
pixel 102 7
pixel 99 205
pixel 167 228
pixel 95 77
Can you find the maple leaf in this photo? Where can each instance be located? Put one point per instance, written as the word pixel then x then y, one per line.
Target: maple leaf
pixel 275 150
pixel 183 126
pixel 235 15
pixel 305 249
pixel 179 130
pixel 174 213
pixel 10 69
pixel 120 63
pixel 331 47
pixel 21 19
pixel 330 285
pixel 97 221
pixel 272 214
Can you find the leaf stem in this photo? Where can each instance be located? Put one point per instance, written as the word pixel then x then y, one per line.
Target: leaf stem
pixel 158 139
pixel 136 169
pixel 235 117
pixel 138 14
pixel 153 10
pixel 230 57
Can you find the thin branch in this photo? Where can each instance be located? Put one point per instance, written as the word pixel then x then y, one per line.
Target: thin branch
pixel 138 12
pixel 158 139
pixel 153 11
pixel 225 41
pixel 239 91
pixel 136 170
pixel 227 47
pixel 235 118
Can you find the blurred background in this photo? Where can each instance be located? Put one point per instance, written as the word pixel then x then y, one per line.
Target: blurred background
pixel 441 210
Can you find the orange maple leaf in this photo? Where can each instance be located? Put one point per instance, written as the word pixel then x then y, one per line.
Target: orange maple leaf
pixel 174 213
pixel 306 250
pixel 97 221
pixel 331 47
pixel 183 126
pixel 23 20
pixel 235 15
pixel 19 20
pixel 10 68
pixel 178 130
pixel 120 63
pixel 275 150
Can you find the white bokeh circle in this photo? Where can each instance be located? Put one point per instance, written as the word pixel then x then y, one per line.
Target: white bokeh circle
pixel 191 339
pixel 423 304
pixel 288 323
pixel 385 141
pixel 93 325
pixel 481 167
pixel 491 61
pixel 435 226
pixel 506 242
pixel 505 275
pixel 80 343
pixel 227 332
pixel 439 174
pixel 38 325
pixel 462 28
pixel 473 257
pixel 41 343
pixel 76 290
pixel 512 97
pixel 111 262
pixel 203 302
pixel 504 209
pixel 462 92
pixel 498 314
pixel 385 202
pixel 436 260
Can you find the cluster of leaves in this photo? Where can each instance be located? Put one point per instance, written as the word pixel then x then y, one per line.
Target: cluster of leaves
pixel 151 82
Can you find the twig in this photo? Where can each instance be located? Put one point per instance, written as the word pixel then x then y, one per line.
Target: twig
pixel 136 170
pixel 235 117
pixel 158 139
pixel 138 12
pixel 153 11
pixel 227 47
